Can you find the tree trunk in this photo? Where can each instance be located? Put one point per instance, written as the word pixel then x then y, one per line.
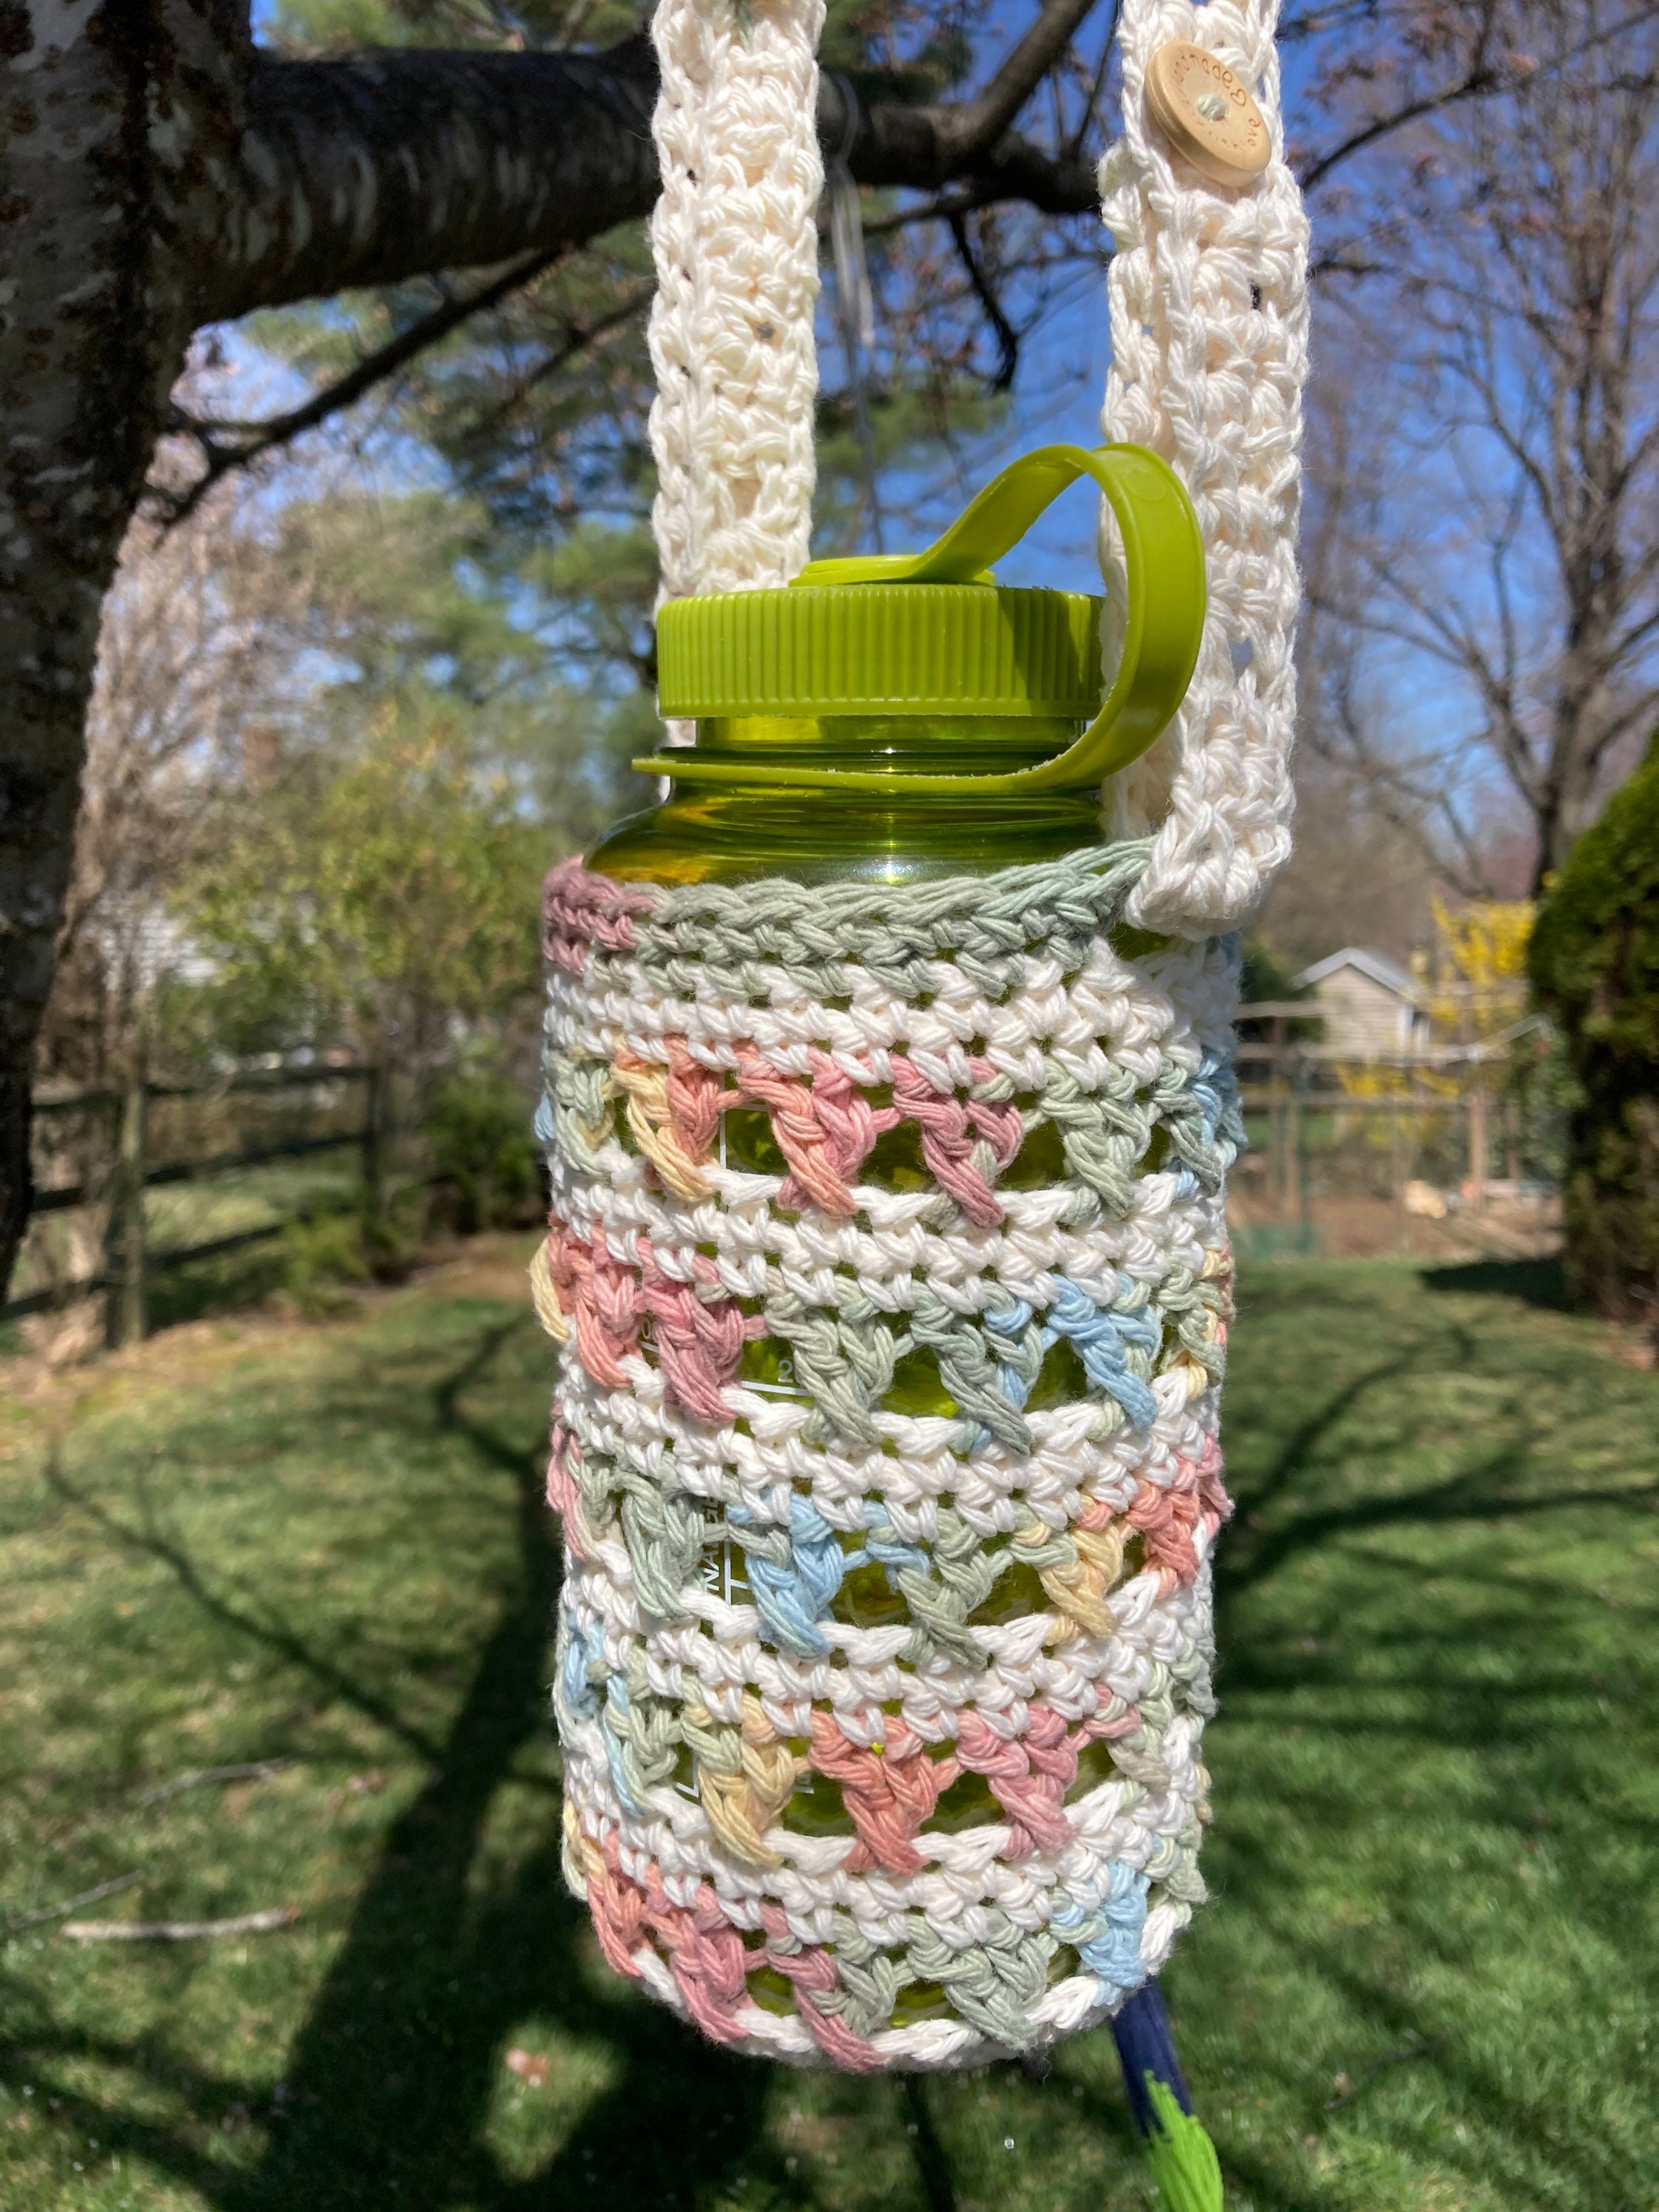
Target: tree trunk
pixel 158 173
pixel 118 123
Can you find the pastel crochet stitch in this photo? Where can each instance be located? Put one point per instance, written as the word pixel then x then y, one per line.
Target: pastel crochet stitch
pixel 889 1265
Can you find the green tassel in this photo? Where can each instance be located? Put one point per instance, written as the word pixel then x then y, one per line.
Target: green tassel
pixel 1181 2156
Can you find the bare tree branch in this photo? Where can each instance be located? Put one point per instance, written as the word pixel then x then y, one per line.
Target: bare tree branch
pixel 941 208
pixel 1479 79
pixel 1476 80
pixel 1097 83
pixel 971 126
pixel 268 1922
pixel 918 149
pixel 1007 336
pixel 251 440
pixel 243 1769
pixel 1407 795
pixel 41 1913
pixel 1505 528
pixel 256 439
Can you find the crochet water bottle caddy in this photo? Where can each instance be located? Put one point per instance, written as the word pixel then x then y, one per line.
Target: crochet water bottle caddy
pixel 888 1117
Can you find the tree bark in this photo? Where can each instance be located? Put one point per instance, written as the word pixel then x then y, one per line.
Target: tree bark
pixel 157 174
pixel 395 164
pixel 117 125
pixel 398 163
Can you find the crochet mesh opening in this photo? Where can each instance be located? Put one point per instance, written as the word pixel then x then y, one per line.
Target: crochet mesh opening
pixel 1018 1590
pixel 894 1161
pixel 1061 1380
pixel 1157 1149
pixel 917 1387
pixel 866 1599
pixel 1094 1765
pixel 816 1808
pixel 772 1991
pixel 1132 943
pixel 1041 1158
pixel 919 2001
pixel 768 1361
pixel 748 1143
pixel 969 1802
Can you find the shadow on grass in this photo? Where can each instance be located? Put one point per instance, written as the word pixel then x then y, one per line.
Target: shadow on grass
pixel 267 1629
pixel 395 2077
pixel 226 1284
pixel 1480 1658
pixel 391 2079
pixel 1535 1282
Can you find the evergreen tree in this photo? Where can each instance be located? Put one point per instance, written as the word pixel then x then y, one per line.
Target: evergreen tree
pixel 1594 966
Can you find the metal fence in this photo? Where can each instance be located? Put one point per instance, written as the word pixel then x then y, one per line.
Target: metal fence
pixel 1457 1146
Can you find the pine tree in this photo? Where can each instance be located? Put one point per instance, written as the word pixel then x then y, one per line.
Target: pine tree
pixel 1595 968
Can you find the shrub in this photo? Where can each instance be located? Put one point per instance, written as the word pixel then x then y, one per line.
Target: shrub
pixel 1593 964
pixel 320 1257
pixel 324 1253
pixel 482 1150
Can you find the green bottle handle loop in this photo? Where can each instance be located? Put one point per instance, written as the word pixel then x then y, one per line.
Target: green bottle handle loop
pixel 1163 563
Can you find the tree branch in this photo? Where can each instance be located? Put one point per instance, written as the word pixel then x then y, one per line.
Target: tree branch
pixel 920 148
pixel 972 126
pixel 1097 83
pixel 252 440
pixel 399 163
pixel 1476 84
pixel 1007 336
pixel 1399 793
pixel 268 1922
pixel 257 439
pixel 1479 78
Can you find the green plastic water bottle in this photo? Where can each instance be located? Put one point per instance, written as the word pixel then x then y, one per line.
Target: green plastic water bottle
pixel 889 718
pixel 779 1444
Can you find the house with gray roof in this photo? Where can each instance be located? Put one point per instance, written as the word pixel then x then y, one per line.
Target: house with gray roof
pixel 1371 1007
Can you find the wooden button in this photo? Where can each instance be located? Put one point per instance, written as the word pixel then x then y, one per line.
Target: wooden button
pixel 1207 113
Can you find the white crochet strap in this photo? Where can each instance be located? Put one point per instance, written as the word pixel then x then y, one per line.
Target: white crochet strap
pixel 1208 304
pixel 735 238
pixel 1209 319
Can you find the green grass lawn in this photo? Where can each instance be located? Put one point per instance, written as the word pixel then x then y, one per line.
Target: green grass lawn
pixel 1430 1977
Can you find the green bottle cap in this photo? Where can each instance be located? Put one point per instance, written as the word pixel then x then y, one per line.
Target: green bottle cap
pixel 880 648
pixel 932 634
